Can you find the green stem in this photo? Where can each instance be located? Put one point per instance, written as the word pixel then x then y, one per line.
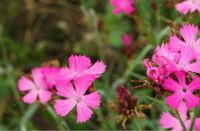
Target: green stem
pixel 196 111
pixel 136 124
pixel 132 65
pixel 28 115
pixel 61 124
pixel 181 121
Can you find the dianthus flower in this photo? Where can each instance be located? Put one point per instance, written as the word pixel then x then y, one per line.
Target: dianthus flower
pixel 182 92
pixel 50 75
pixel 188 6
pixel 80 66
pixel 75 94
pixel 169 121
pixel 34 88
pixel 126 40
pixel 188 33
pixel 123 5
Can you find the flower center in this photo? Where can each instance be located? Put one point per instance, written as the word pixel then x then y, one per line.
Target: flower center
pixel 184 90
pixel 78 99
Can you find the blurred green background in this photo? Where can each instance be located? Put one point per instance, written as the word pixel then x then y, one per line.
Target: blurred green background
pixel 35 31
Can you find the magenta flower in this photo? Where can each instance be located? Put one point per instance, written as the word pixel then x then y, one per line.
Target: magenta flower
pixel 34 88
pixel 126 40
pixel 50 75
pixel 168 121
pixel 123 5
pixel 80 66
pixel 187 61
pixel 197 124
pixel 181 92
pixel 156 74
pixel 188 6
pixel 189 33
pixel 76 95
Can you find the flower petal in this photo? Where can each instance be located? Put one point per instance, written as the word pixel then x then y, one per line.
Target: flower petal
pixel 65 89
pixel 194 85
pixel 82 84
pixel 30 97
pixel 97 69
pixel 92 100
pixel 63 107
pixel 181 77
pixel 171 85
pixel 83 112
pixel 189 33
pixel 194 67
pixel 25 84
pixel 175 99
pixel 191 100
pixel 44 95
pixel 79 63
pixel 169 121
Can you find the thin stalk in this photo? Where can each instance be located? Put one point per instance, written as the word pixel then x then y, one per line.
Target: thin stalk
pixel 196 111
pixel 181 121
pixel 61 124
pixel 132 65
pixel 136 124
pixel 28 115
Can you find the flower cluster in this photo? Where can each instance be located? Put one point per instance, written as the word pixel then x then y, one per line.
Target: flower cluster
pixel 71 83
pixel 123 5
pixel 188 6
pixel 175 67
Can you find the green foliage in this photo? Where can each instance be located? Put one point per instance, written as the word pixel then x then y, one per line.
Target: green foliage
pixel 35 31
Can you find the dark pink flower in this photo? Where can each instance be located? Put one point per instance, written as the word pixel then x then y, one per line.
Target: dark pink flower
pixel 123 5
pixel 74 94
pixel 188 6
pixel 126 40
pixel 50 75
pixel 181 92
pixel 80 66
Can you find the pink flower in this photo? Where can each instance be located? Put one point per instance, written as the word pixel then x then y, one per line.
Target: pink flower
pixel 156 74
pixel 188 6
pixel 75 95
pixel 126 39
pixel 187 61
pixel 169 121
pixel 189 33
pixel 197 124
pixel 181 92
pixel 123 5
pixel 80 66
pixel 50 75
pixel 36 88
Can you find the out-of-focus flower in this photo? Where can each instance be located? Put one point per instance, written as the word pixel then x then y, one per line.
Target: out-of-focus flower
pixel 74 94
pixel 188 33
pixel 123 5
pixel 34 88
pixel 50 75
pixel 181 91
pixel 197 124
pixel 126 40
pixel 80 66
pixel 168 121
pixel 156 74
pixel 188 6
pixel 128 47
